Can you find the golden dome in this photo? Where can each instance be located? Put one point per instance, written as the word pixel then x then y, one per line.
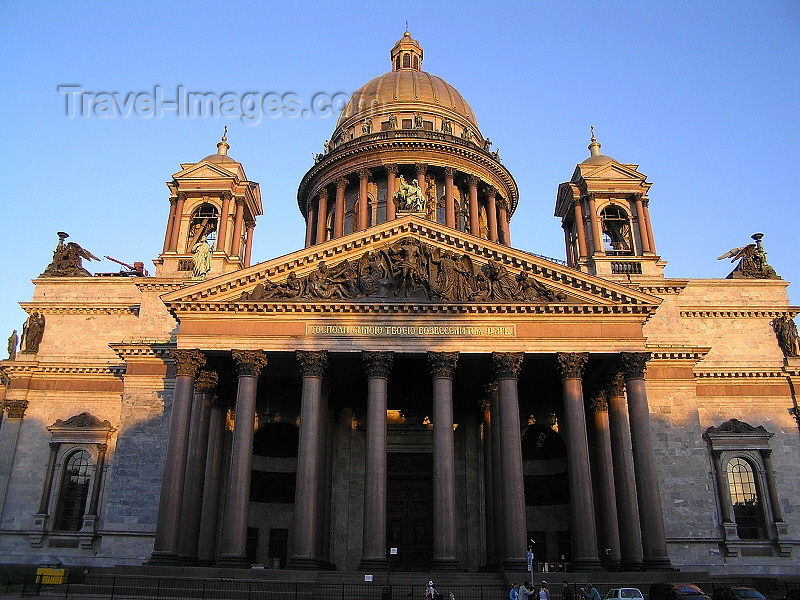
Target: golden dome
pixel 408 88
pixel 398 89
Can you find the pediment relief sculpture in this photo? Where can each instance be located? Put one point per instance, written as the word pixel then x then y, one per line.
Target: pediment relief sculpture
pixel 411 270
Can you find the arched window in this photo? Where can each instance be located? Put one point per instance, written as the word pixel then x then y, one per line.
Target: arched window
pixel 416 62
pixel 397 62
pixel 203 223
pixel 748 511
pixel 616 231
pixel 74 492
pixel 406 61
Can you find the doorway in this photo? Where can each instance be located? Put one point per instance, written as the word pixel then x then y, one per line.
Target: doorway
pixel 409 514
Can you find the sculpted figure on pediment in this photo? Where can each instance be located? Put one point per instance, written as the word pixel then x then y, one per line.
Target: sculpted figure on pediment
pixel 67 259
pixel 412 270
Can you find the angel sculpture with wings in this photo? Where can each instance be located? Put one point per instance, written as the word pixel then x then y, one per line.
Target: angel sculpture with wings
pixel 752 261
pixel 67 259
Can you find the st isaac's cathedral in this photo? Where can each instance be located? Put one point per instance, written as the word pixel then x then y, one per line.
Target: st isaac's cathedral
pixel 406 379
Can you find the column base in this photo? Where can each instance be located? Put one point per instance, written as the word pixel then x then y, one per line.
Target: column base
pixel 659 563
pixel 583 565
pixel 161 558
pixel 633 565
pixel 445 564
pixel 233 561
pixel 373 564
pixel 516 565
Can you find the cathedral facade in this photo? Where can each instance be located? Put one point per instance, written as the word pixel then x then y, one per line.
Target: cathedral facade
pixel 408 385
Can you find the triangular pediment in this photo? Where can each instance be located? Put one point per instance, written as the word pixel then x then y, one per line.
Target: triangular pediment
pixel 413 261
pixel 609 170
pixel 206 170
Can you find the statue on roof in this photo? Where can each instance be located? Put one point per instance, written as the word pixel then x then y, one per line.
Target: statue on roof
pixel 786 332
pixel 67 259
pixel 12 345
pixel 752 261
pixel 32 333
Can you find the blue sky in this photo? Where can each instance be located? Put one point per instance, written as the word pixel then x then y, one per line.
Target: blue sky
pixel 704 96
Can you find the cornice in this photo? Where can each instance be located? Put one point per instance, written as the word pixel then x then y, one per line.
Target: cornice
pixel 145 348
pixel 160 285
pixel 737 312
pixel 403 140
pixel 60 369
pixel 369 307
pixel 74 307
pixel 692 354
pixel 739 373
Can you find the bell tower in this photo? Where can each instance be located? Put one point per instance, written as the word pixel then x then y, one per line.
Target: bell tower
pixel 211 202
pixel 606 221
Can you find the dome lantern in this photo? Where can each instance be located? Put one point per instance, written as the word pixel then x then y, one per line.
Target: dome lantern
pixel 407 54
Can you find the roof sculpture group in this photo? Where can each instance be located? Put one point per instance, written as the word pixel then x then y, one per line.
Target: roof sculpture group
pixel 408 269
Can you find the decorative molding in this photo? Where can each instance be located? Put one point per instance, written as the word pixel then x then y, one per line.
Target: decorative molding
pixel 250 362
pixel 377 364
pixel 506 365
pixel 63 307
pixel 312 363
pixel 705 312
pixel 739 373
pixel 187 362
pixel 571 364
pixel 442 364
pixel 154 348
pixel 634 364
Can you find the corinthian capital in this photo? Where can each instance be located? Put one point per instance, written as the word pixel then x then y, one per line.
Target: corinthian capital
pixel 206 381
pixel 571 364
pixel 600 402
pixel 377 364
pixel 634 364
pixel 391 168
pixel 250 362
pixel 506 365
pixel 312 364
pixel 187 362
pixel 449 172
pixel 616 386
pixel 15 409
pixel 442 364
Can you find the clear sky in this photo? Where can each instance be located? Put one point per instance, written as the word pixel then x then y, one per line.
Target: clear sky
pixel 704 96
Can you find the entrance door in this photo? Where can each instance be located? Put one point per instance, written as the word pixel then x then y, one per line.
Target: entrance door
pixel 409 525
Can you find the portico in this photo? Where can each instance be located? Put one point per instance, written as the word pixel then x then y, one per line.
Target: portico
pixel 375 387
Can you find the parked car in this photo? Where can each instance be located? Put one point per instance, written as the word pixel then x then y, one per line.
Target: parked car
pixel 676 591
pixel 737 593
pixel 624 594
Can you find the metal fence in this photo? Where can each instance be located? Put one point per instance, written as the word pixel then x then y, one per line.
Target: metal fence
pixel 139 588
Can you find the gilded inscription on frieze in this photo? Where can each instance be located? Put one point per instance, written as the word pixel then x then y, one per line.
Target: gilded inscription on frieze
pixel 450 331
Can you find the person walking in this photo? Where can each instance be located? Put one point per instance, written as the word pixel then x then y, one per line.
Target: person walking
pixel 513 594
pixel 566 591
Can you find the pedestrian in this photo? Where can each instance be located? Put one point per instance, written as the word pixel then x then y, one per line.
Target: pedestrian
pixel 591 592
pixel 451 595
pixel 513 594
pixel 544 593
pixel 430 592
pixel 566 591
pixel 525 590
